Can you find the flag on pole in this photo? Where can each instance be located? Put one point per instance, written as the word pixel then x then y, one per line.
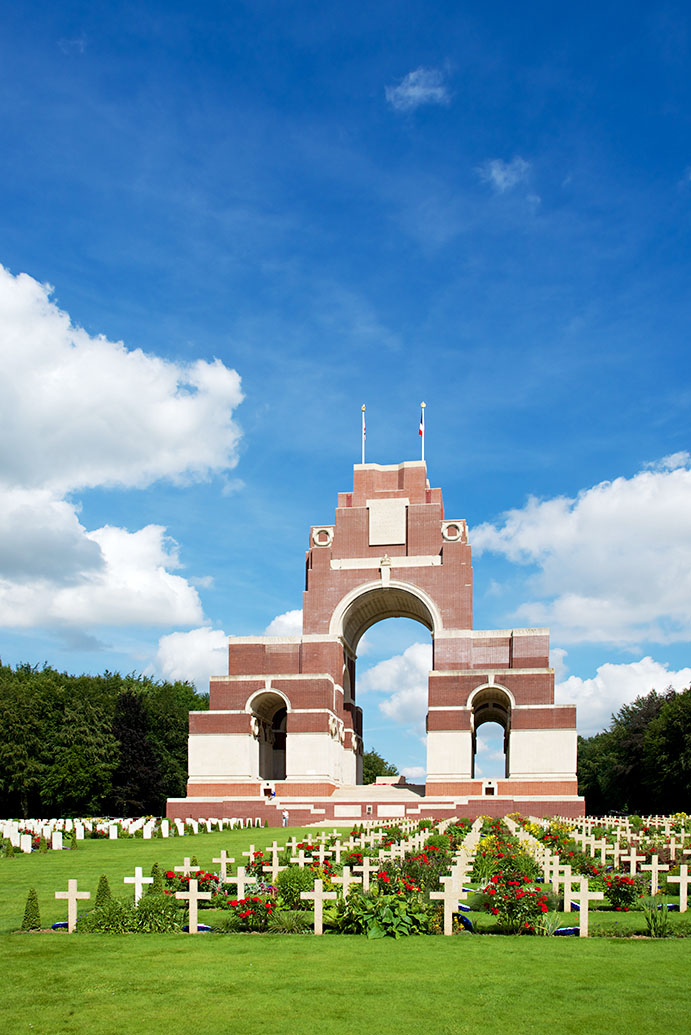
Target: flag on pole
pixel 421 429
pixel 364 433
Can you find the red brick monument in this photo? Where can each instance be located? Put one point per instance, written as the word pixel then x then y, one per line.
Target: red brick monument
pixel 284 731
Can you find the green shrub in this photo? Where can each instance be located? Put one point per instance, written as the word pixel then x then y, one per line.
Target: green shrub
pixel 289 921
pixel 103 893
pixel 157 887
pixel 291 882
pixel 32 916
pixel 156 914
pixel 621 891
pixel 113 917
pixel 226 923
pixel 656 917
pixel 73 842
pixel 379 916
pixel 43 846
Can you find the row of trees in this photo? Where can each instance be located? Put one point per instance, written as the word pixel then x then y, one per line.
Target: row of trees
pixel 642 763
pixel 89 745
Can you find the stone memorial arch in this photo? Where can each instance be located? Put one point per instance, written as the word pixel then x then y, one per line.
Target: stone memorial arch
pixel 284 725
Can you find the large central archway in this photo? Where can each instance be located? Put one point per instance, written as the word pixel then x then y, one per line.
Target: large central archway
pixel 373 602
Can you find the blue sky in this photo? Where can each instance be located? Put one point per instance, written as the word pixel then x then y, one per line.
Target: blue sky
pixel 281 211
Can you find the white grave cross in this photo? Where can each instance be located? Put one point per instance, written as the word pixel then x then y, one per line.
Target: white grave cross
pixel 139 881
pixel 318 896
pixel 683 881
pixel 583 897
pixel 346 880
pixel 224 860
pixel 72 895
pixel 193 896
pixel 450 896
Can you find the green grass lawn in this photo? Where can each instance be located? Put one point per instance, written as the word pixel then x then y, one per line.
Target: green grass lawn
pixel 273 984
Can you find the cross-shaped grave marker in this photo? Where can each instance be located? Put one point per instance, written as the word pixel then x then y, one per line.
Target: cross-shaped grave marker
pixel 318 896
pixel 366 869
pixel 241 879
pixel 568 880
pixel 72 895
pixel 274 869
pixel 450 896
pixel 346 880
pixel 193 896
pixel 250 854
pixel 683 881
pixel 292 845
pixel 633 858
pixel 322 853
pixel 139 881
pixel 185 869
pixel 301 859
pixel 583 897
pixel 655 869
pixel 224 860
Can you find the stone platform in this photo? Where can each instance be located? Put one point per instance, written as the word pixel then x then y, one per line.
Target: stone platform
pixel 373 801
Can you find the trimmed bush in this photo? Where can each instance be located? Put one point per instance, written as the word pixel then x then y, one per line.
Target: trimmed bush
pixel 103 893
pixel 32 916
pixel 157 887
pixel 291 882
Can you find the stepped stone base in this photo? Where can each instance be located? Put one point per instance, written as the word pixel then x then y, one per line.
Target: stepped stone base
pixel 346 805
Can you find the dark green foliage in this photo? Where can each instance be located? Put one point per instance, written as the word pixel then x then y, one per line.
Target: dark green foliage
pixel 113 917
pixel 289 921
pixel 9 849
pixel 290 882
pixel 643 761
pixel 60 746
pixel 379 916
pixel 73 842
pixel 227 923
pixel 194 862
pixel 157 887
pixel 373 765
pixel 32 916
pixel 154 914
pixel 43 846
pixel 103 893
pixel 137 781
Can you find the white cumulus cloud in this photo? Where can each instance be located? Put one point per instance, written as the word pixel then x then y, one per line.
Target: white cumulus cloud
pixel 504 176
pixel 287 624
pixel 126 581
pixel 194 656
pixel 422 86
pixel 613 565
pixel 81 411
pixel 403 681
pixel 78 411
pixel 612 686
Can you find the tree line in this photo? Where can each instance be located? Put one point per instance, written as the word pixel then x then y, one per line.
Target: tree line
pixel 113 744
pixel 642 762
pixel 91 745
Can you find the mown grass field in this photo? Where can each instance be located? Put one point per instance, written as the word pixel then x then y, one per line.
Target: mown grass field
pixel 268 984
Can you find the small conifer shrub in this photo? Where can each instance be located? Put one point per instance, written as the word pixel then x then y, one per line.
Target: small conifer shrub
pixel 32 916
pixel 103 894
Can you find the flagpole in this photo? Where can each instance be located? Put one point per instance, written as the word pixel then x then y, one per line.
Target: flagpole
pixel 422 428
pixel 364 433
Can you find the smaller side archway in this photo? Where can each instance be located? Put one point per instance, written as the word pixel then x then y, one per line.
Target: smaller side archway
pixel 268 710
pixel 491 703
